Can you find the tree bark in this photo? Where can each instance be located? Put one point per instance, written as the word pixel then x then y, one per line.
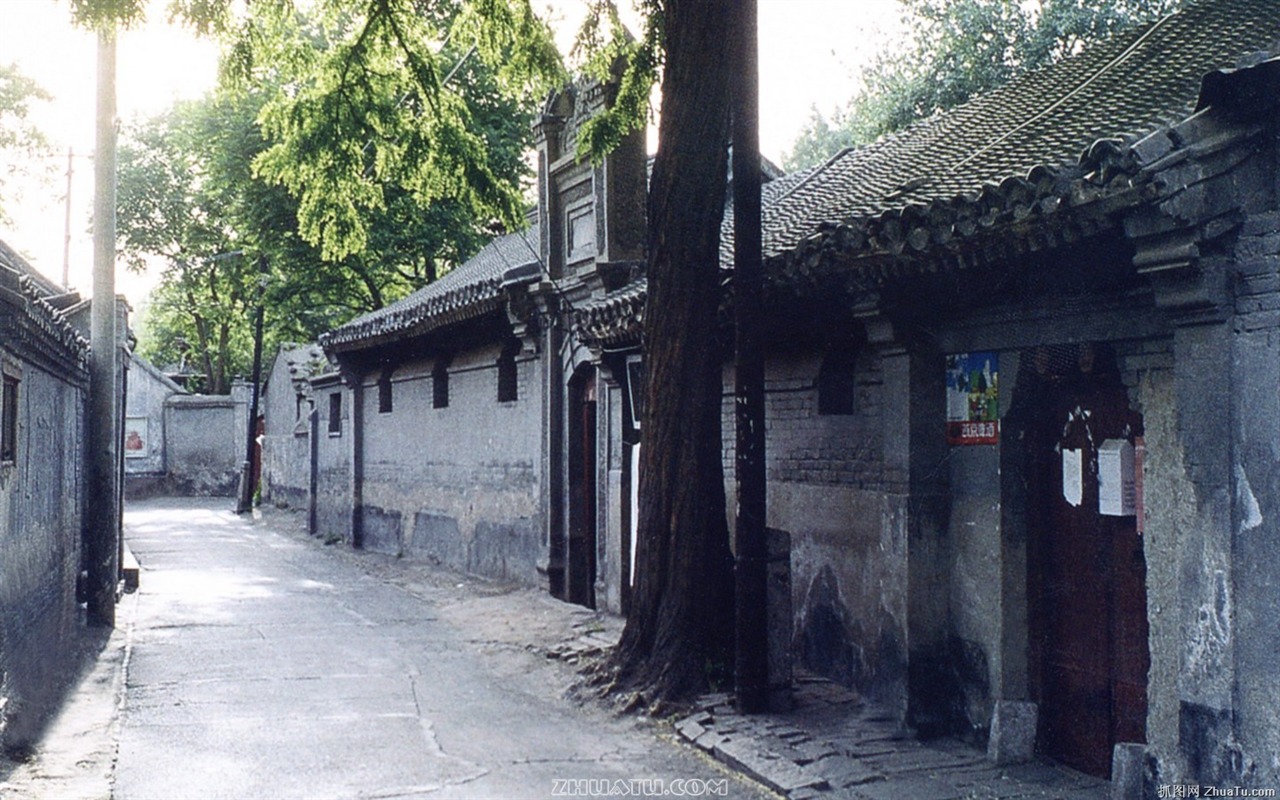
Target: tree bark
pixel 680 628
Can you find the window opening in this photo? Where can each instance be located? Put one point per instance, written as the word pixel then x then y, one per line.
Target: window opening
pixel 440 384
pixel 836 382
pixel 335 413
pixel 508 382
pixel 9 420
pixel 384 393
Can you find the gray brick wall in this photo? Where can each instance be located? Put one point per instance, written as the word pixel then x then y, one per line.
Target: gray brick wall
pixel 806 447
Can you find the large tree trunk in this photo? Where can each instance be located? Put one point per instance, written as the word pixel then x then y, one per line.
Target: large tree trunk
pixel 680 627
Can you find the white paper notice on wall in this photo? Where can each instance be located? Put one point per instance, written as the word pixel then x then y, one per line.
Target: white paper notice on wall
pixel 1073 476
pixel 1117 490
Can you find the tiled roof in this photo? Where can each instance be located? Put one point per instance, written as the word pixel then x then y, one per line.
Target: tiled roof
pixel 465 291
pixel 1045 140
pixel 1121 89
pixel 31 321
pixel 616 318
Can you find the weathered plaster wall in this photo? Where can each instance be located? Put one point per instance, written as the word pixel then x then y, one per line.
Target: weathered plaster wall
pixel 981 555
pixel 1254 755
pixel 333 464
pixel 457 485
pixel 204 444
pixel 1170 508
pixel 611 570
pixel 848 542
pixel 286 442
pixel 41 496
pixel 148 389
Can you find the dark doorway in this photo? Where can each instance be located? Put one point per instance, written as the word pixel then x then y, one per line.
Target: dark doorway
pixel 581 581
pixel 1086 572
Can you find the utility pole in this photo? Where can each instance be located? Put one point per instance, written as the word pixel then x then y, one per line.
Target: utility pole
pixel 246 469
pixel 102 527
pixel 751 639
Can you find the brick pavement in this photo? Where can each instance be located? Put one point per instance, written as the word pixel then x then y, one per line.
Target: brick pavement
pixel 832 745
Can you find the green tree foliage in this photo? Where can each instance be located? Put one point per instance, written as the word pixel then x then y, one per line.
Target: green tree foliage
pixel 193 184
pixel 382 99
pixel 959 48
pixel 21 143
pixel 171 208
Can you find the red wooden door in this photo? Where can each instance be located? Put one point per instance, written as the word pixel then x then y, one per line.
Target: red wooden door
pixel 1087 581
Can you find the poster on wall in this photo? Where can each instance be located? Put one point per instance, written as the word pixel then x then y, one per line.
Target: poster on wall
pixel 135 437
pixel 973 406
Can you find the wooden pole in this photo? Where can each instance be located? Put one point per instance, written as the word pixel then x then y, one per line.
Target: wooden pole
pixel 102 525
pixel 751 651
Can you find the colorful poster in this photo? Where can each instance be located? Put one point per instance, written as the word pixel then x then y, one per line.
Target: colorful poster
pixel 973 405
pixel 135 437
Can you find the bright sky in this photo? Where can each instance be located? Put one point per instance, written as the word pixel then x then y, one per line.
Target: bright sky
pixel 810 52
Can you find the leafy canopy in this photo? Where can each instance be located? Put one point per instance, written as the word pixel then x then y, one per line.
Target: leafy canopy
pixel 959 48
pixel 21 143
pixel 376 105
pixel 322 152
pixel 369 98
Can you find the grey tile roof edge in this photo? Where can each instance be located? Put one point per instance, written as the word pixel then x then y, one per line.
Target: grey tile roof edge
pixel 479 280
pixel 1017 127
pixel 615 319
pixel 28 299
pixel 819 210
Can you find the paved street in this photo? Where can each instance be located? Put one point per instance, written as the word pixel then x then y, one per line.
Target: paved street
pixel 255 662
pixel 262 664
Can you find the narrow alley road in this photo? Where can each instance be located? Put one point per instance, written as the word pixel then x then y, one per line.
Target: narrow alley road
pixel 263 665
